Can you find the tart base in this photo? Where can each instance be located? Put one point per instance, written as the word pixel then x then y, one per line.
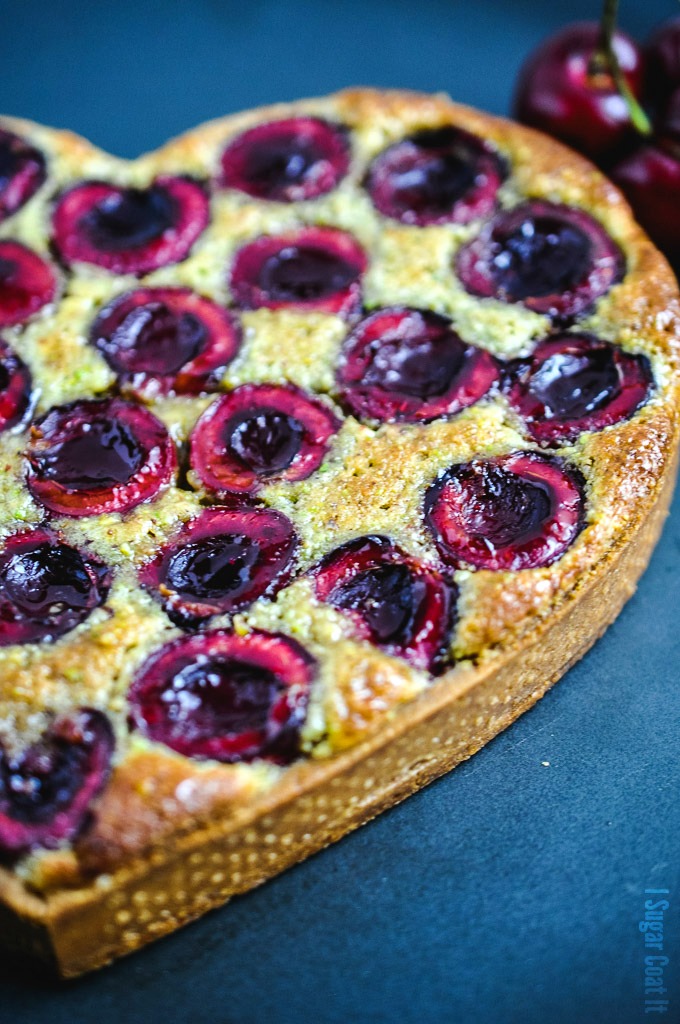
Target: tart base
pixel 79 930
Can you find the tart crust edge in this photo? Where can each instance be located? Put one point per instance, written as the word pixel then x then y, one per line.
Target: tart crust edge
pixel 84 925
pixel 82 929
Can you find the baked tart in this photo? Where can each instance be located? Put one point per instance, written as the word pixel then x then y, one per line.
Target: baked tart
pixel 332 434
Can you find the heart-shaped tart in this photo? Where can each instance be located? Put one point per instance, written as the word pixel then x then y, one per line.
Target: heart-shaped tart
pixel 332 434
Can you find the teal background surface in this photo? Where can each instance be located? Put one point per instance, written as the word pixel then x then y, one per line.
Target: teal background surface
pixel 508 892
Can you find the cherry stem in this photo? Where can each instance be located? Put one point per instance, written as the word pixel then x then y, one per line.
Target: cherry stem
pixel 605 60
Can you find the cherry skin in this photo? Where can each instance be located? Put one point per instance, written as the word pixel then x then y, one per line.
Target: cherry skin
pixel 309 269
pixel 15 389
pixel 410 365
pixel 577 382
pixel 130 230
pixel 395 601
pixel 558 93
pixel 517 511
pixel 47 588
pixel 259 434
pixel 436 176
pixel 222 561
pixel 27 283
pixel 166 341
pixel 650 180
pixel 223 696
pixel 556 260
pixel 287 161
pixel 46 792
pixel 662 63
pixel 91 457
pixel 22 172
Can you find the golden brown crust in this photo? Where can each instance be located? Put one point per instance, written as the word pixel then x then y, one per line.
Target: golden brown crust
pixel 171 838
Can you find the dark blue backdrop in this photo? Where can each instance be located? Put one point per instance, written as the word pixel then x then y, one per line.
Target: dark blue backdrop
pixel 509 891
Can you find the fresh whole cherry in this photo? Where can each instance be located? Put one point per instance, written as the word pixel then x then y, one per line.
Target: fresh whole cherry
pixel 650 180
pixel 562 91
pixel 662 63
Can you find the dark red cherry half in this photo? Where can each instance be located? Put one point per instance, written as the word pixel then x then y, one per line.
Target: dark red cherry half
pixel 47 588
pixel 287 161
pixel 399 604
pixel 130 230
pixel 22 172
pixel 313 268
pixel 166 340
pixel 410 365
pixel 27 283
pixel 436 176
pixel 222 561
pixel 260 433
pixel 46 792
pixel 227 697
pixel 554 259
pixel 517 511
pixel 90 457
pixel 15 388
pixel 577 382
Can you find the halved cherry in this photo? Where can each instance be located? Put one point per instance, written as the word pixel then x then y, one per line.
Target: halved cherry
pixel 130 230
pixel 260 433
pixel 15 388
pixel 223 696
pixel 27 283
pixel 517 511
pixel 395 601
pixel 222 561
pixel 46 792
pixel 577 382
pixel 410 365
pixel 554 259
pixel 22 172
pixel 312 268
pixel 47 587
pixel 436 176
pixel 90 457
pixel 166 340
pixel 287 161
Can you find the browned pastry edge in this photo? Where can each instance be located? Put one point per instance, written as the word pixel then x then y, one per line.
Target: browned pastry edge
pixel 86 924
pixel 317 803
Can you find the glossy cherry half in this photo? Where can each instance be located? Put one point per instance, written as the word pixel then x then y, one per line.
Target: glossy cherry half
pixel 517 511
pixel 410 365
pixel 312 268
pixel 46 792
pixel 27 283
pixel 395 601
pixel 554 259
pixel 223 696
pixel 436 176
pixel 222 561
pixel 130 230
pixel 561 92
pixel 91 457
pixel 166 341
pixel 577 382
pixel 287 161
pixel 22 172
pixel 258 434
pixel 15 388
pixel 47 587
